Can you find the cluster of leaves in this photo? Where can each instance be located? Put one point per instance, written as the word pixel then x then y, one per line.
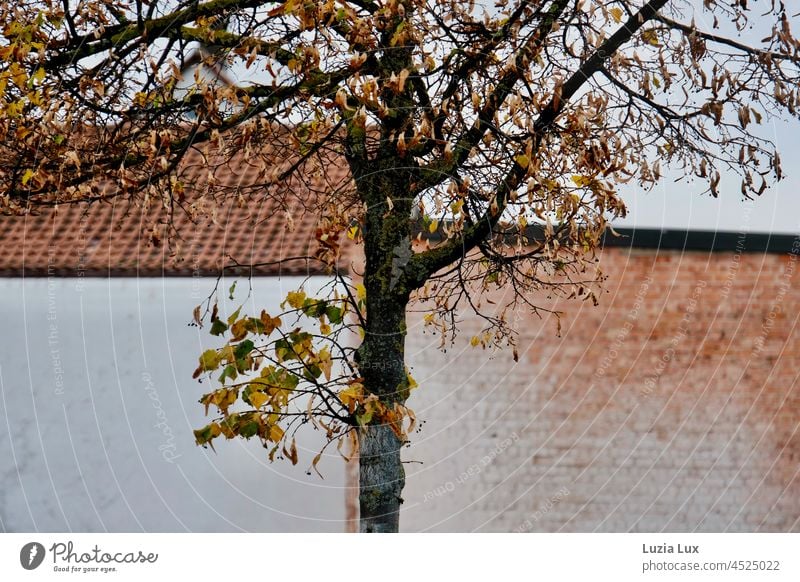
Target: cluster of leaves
pixel 290 376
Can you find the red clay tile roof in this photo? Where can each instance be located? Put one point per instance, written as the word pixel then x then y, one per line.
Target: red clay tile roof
pixel 117 238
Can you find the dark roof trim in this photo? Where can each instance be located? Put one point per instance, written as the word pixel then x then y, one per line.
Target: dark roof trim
pixel 703 240
pixel 676 239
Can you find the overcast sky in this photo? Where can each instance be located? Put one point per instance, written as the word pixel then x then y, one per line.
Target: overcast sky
pixel 682 204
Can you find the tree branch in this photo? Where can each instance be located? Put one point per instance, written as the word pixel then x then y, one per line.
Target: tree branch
pixel 422 265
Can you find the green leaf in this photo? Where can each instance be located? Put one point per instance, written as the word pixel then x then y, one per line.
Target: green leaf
pixel 314 307
pixel 243 349
pixel 218 327
pixel 284 351
pixel 365 418
pixel 334 314
pixel 312 371
pixel 248 429
pixel 229 372
pixel 231 290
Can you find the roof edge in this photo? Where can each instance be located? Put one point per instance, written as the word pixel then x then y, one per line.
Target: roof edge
pixel 702 240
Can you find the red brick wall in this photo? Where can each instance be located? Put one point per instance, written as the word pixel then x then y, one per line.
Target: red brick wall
pixel 673 405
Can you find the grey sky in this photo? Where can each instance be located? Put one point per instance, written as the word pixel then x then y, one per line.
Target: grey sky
pixel 681 205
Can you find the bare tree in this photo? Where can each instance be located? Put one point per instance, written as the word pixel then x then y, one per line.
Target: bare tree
pixel 502 130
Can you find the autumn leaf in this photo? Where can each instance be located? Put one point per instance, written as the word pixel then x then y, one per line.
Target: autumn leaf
pixel 234 316
pixel 361 292
pixel 258 399
pixel 314 463
pixel 295 299
pixel 275 433
pixel 352 396
pixel 581 181
pixel 291 454
pixel 325 362
pixel 38 75
pixel 239 330
pixel 209 360
pixel 218 327
pixel 270 323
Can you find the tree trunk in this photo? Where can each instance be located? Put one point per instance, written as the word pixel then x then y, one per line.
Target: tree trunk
pixel 382 185
pixel 381 359
pixel 381 479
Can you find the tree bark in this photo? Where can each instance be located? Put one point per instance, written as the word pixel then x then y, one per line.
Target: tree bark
pixel 382 185
pixel 381 479
pixel 381 359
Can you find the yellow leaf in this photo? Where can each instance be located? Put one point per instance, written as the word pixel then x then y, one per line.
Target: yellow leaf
pixel 361 292
pixel 474 341
pixel 616 14
pixel 550 184
pixel 296 298
pixel 581 181
pixel 325 362
pixel 522 160
pixel 352 232
pixel 324 328
pixel 433 226
pixel 26 177
pixel 209 360
pixel 351 396
pixel 275 433
pixel 18 75
pixel 650 37
pixel 257 399
pixel 38 76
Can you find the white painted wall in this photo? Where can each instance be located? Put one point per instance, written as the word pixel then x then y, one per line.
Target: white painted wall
pixel 97 406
